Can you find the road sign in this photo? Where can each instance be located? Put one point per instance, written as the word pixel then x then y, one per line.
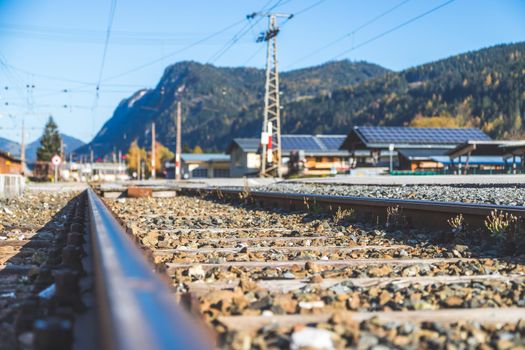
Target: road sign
pixel 56 160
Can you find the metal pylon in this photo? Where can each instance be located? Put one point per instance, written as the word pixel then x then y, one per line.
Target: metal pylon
pixel 271 162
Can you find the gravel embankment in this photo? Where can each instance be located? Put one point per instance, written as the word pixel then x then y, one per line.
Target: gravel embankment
pixel 28 227
pixel 500 195
pixel 243 261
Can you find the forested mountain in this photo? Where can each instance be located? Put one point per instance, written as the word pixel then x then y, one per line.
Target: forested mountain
pixel 484 88
pixel 214 95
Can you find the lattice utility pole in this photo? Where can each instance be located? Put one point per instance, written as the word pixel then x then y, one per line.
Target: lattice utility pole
pixel 271 161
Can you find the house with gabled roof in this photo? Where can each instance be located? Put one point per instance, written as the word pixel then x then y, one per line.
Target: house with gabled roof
pixel 317 154
pixel 411 148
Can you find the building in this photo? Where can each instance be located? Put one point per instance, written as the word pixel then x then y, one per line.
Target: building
pixel 486 157
pixel 201 165
pixel 10 164
pixel 309 154
pixel 245 160
pixel 408 148
pixel 317 154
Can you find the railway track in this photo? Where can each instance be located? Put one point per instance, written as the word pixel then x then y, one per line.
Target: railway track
pixel 267 270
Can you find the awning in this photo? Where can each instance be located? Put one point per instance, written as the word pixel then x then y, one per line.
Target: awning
pixel 476 160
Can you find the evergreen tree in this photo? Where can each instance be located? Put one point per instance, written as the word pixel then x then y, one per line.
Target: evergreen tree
pixel 50 142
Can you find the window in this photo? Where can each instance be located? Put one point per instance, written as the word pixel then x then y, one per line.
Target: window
pixel 199 172
pixel 221 172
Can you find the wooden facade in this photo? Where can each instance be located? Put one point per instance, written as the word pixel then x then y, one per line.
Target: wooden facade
pixel 10 164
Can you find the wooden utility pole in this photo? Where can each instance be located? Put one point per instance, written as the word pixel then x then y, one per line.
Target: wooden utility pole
pixel 178 148
pixel 138 164
pixel 153 151
pixel 23 149
pixel 119 162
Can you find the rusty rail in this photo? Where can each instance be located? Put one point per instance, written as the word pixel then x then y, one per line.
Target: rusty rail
pixel 410 213
pixel 136 309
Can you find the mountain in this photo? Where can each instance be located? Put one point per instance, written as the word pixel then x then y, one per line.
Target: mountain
pixel 214 95
pixel 70 144
pixel 484 88
pixel 9 146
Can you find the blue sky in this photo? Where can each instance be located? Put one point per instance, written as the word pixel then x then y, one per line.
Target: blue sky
pixel 57 45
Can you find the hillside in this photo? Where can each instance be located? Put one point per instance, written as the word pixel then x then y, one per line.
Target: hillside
pixel 484 89
pixel 214 95
pixel 70 143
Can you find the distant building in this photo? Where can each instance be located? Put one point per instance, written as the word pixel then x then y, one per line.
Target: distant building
pixel 308 154
pixel 10 164
pixel 486 156
pixel 201 165
pixel 245 161
pixel 412 148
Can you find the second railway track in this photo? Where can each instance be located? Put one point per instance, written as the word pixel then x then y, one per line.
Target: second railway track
pixel 317 273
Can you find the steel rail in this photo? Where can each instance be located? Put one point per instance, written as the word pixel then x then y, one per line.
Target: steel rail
pixel 415 213
pixel 135 307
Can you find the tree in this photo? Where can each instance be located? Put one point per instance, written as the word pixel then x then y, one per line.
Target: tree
pixel 162 154
pixel 197 150
pixel 135 153
pixel 50 142
pixel 442 121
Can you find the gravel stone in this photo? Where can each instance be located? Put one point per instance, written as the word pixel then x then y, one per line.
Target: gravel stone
pixel 497 194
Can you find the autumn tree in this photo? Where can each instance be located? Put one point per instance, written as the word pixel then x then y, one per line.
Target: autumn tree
pixel 442 121
pixel 162 154
pixel 50 142
pixel 135 156
pixel 197 150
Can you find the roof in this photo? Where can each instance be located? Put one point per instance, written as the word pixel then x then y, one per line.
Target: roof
pixel 487 148
pixel 245 144
pixel 205 157
pixel 310 144
pixel 422 153
pixel 475 160
pixel 382 136
pixel 8 155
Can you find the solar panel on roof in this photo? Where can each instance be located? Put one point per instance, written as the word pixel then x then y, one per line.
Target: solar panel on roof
pixel 289 142
pixel 420 135
pixel 332 142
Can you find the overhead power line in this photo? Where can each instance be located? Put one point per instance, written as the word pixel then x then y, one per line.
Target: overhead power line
pixel 241 33
pixel 187 47
pixel 393 29
pixel 106 42
pixel 95 37
pixel 349 34
pixel 308 8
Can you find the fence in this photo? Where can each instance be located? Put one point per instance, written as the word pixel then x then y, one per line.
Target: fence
pixel 11 185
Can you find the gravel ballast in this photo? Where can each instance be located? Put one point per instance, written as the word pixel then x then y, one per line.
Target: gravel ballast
pixel 513 195
pixel 312 274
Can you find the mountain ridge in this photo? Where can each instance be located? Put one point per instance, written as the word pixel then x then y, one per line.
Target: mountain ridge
pixel 70 143
pixel 219 93
pixel 483 88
